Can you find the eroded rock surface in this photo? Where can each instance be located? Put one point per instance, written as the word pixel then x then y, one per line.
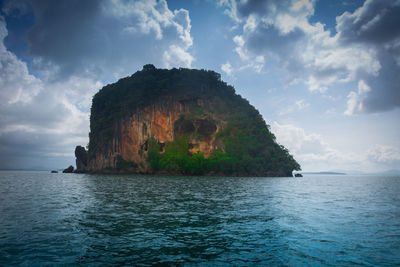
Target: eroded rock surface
pixel 163 121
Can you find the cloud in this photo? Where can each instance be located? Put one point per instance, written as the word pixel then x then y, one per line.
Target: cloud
pixel 296 106
pixel 51 123
pixel 376 22
pixel 14 8
pixel 355 99
pixel 17 85
pixel 307 147
pixel 384 154
pixel 231 9
pixel 365 49
pixel 227 68
pixel 175 55
pixel 311 150
pixel 269 10
pixel 314 153
pixel 40 118
pixel 34 149
pixel 107 38
pixel 376 25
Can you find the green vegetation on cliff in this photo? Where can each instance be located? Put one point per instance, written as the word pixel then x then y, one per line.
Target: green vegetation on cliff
pixel 247 145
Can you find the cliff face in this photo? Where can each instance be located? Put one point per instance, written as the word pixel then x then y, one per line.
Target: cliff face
pixel 179 121
pixel 163 121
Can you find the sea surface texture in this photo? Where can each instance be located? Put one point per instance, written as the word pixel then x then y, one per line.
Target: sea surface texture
pixel 317 220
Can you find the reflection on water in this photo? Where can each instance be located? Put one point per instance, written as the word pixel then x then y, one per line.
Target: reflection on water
pixel 130 219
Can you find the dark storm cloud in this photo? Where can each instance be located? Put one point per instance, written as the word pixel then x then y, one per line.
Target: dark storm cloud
pixel 385 94
pixel 65 31
pixel 266 39
pixel 74 36
pixel 376 22
pixel 103 38
pixel 266 8
pixel 21 149
pixel 376 25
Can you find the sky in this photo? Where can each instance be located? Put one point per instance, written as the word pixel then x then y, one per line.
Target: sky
pixel 325 75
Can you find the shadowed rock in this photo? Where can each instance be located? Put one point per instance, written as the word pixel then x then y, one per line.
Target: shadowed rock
pixel 70 169
pixel 206 127
pixel 183 126
pixel 81 159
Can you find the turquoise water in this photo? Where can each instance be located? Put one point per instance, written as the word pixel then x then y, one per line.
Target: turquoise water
pixel 317 220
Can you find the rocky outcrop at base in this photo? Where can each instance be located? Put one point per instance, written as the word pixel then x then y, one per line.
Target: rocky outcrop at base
pixel 70 169
pixel 81 159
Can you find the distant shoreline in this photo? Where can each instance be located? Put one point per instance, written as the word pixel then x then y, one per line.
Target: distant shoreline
pixel 326 173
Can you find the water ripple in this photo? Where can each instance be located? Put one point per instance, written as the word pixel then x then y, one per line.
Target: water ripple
pixel 74 219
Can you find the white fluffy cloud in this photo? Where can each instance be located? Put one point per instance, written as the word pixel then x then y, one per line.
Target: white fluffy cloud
pixel 152 16
pixel 313 152
pixel 366 47
pixel 305 147
pixel 17 85
pixel 176 56
pixel 355 99
pixel 227 68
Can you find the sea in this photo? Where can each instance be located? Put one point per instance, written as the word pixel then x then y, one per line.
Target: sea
pixel 106 220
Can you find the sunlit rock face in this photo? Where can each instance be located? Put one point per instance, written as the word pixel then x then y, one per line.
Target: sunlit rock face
pixel 162 121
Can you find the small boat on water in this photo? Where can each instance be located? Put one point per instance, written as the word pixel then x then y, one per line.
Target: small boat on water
pixel 298 175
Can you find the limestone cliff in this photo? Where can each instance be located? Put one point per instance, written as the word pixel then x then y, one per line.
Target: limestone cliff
pixel 162 120
pixel 180 121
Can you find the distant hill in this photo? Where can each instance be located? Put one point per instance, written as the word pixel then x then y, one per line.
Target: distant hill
pixel 180 121
pixel 388 172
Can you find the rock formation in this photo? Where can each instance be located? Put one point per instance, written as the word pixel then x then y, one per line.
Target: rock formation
pixel 179 121
pixel 81 159
pixel 70 169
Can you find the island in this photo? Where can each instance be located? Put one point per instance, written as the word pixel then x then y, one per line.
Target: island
pixel 182 122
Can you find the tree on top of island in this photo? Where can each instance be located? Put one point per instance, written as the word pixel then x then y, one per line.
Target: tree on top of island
pixel 179 121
